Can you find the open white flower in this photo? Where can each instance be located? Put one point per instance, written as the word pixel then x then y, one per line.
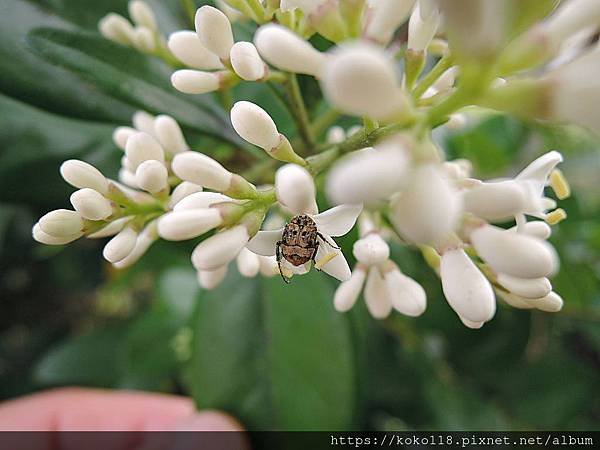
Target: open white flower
pixel 298 198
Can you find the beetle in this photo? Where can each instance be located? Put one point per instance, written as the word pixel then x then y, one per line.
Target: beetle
pixel 299 242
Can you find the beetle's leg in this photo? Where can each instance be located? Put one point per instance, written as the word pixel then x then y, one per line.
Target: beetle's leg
pixel 314 255
pixel 325 240
pixel 278 257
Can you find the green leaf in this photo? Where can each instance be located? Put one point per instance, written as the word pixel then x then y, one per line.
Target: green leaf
pixel 274 356
pixel 129 76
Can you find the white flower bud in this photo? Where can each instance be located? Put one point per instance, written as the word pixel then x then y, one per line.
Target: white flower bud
pixel 385 16
pixel 377 295
pixel 467 290
pixel 371 249
pixel 254 125
pixel 142 147
pixel 201 170
pixel 210 279
pixel 127 177
pixel 456 122
pixel 233 14
pixel 422 30
pixel 535 228
pixel 117 28
pixel 120 246
pixel 428 209
pixel 143 40
pixel 407 296
pixel 470 324
pixel 287 51
pixel 188 224
pixel 187 48
pixel 142 121
pixel 347 292
pixel 152 176
pixel 120 136
pixel 360 79
pixel 111 228
pixel 220 249
pixel 81 175
pixel 515 254
pixel 525 287
pixel 142 15
pixel 61 223
pixel 514 300
pixel 195 82
pixel 214 30
pixel 550 303
pixel 295 189
pixel 181 191
pixel 335 135
pixel 246 62
pixel 169 134
pixel 143 242
pixel 248 263
pixel 368 176
pixel 570 18
pixel 201 200
pixel 495 201
pixel 44 238
pixel 91 204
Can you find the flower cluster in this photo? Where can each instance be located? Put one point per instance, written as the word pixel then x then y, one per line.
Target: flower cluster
pixel 390 173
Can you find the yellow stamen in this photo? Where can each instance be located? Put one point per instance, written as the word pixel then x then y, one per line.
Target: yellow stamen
pixel 559 184
pixel 556 216
pixel 324 260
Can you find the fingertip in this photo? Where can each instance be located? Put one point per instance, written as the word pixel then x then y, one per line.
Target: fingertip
pixel 208 420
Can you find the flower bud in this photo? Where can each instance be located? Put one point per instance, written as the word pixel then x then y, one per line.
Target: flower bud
pixel 220 249
pixel 535 228
pixel 371 249
pixel 525 287
pixel 246 62
pixel 169 134
pixel 495 201
pixel 288 51
pixel 142 121
pixel 127 177
pixel 570 18
pixel 470 324
pixel 181 191
pixel 335 135
pixel 268 266
pixel 407 296
pixel 230 9
pixel 44 238
pixel 385 16
pixel 116 28
pixel 120 246
pixel 143 40
pixel 347 292
pixel 111 228
pixel 467 290
pixel 368 176
pixel 142 147
pixel 120 136
pixel 201 200
pixel 322 15
pixel 210 279
pixel 550 303
pixel 421 30
pixel 143 242
pixel 91 204
pixel 360 79
pixel 187 48
pixel 61 223
pixel 152 176
pixel 142 15
pixel 214 30
pixel 195 82
pixel 188 224
pixel 428 209
pixel 202 170
pixel 515 254
pixel 254 125
pixel 295 189
pixel 81 175
pixel 514 300
pixel 377 295
pixel 247 263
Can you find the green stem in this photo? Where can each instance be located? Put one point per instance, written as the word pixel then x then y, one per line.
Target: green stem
pixel 190 11
pixel 431 77
pixel 370 125
pixel 298 110
pixel 258 11
pixel 324 121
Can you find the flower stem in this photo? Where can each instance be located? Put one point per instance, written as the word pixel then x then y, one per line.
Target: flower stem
pixel 324 121
pixel 431 77
pixel 298 110
pixel 190 10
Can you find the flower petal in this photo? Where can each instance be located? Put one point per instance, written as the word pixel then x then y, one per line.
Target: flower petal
pixel 339 220
pixel 539 170
pixel 377 295
pixel 264 242
pixel 347 292
pixel 337 266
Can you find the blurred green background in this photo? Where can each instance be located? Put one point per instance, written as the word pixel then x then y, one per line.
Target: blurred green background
pixel 275 356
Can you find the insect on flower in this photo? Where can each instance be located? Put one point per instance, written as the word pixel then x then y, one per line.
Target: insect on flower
pixel 299 243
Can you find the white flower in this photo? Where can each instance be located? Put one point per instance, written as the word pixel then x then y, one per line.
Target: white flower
pixel 360 79
pixel 528 288
pixel 142 147
pixel 195 81
pixel 44 238
pixel 233 14
pixel 201 170
pixel 143 121
pixel 570 18
pixel 181 191
pixel 62 223
pixel 120 246
pixel 369 175
pixel 220 249
pixel 335 135
pixel 535 228
pixel 187 48
pixel 214 30
pixel 91 204
pixel 142 243
pixel 143 40
pixel 81 175
pixel 377 295
pixel 246 62
pixel 169 134
pixel 552 302
pixel 428 209
pixel 348 292
pixel 210 279
pixel 287 51
pixel 187 224
pixel 254 125
pixel 111 228
pixel 248 263
pixel 121 135
pixel 117 28
pixel 385 16
pixel 295 189
pixel 152 176
pixel 422 28
pixel 371 249
pixel 142 15
pixel 467 290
